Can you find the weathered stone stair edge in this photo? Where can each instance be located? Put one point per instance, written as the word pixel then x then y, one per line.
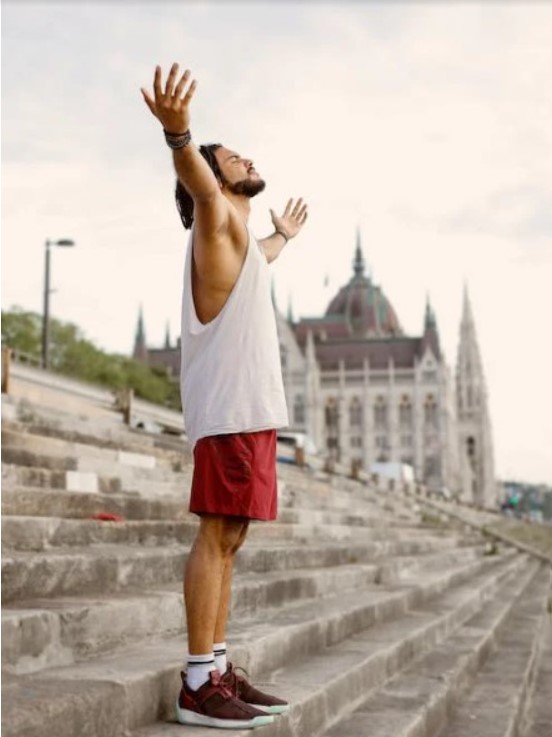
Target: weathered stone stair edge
pixel 39 534
pixel 538 715
pixel 25 445
pixel 109 436
pixel 35 636
pixel 520 642
pixel 28 462
pixel 116 567
pixel 357 667
pixel 484 528
pixel 34 501
pixel 418 701
pixel 144 694
pixel 90 481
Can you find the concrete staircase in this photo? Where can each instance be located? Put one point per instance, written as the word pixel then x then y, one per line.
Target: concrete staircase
pixel 370 621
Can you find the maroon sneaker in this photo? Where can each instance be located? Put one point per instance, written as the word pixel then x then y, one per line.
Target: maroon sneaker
pixel 213 705
pixel 243 690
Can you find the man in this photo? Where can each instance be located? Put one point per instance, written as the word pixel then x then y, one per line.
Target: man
pixel 232 394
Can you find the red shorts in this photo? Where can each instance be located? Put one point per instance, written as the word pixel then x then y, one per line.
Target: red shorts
pixel 235 475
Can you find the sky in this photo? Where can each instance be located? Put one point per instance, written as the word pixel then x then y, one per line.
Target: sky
pixel 428 126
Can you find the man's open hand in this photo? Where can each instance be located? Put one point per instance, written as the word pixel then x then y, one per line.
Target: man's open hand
pixel 293 218
pixel 171 105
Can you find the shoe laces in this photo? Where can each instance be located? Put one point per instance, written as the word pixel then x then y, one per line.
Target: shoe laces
pixel 240 679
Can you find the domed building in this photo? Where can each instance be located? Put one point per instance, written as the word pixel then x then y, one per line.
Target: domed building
pixel 367 393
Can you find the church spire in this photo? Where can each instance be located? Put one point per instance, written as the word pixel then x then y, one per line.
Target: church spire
pixel 474 425
pixel 140 349
pixel 431 334
pixel 430 319
pixel 358 263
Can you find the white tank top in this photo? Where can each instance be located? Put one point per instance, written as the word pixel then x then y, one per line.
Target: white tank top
pixel 231 375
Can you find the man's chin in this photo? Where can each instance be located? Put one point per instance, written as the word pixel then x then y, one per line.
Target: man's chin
pixel 249 187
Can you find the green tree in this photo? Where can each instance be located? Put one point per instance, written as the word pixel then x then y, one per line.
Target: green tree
pixel 70 353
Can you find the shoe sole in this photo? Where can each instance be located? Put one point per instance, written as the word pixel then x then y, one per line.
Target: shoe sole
pixel 275 709
pixel 185 716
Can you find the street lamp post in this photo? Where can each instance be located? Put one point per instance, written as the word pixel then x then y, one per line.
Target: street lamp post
pixel 46 316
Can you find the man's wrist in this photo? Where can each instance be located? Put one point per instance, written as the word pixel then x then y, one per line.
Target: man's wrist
pixel 177 141
pixel 285 236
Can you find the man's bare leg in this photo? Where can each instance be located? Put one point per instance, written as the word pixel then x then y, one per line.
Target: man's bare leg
pixel 226 587
pixel 204 579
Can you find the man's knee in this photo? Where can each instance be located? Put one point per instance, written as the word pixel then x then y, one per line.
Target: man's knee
pixel 225 534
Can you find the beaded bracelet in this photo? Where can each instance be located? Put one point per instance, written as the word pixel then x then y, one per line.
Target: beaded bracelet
pixel 281 232
pixel 177 140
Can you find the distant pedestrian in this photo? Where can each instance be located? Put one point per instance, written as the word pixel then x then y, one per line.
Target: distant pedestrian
pixel 232 393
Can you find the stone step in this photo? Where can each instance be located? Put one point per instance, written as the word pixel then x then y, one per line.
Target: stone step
pixel 109 433
pixel 498 699
pixel 124 466
pixel 62 503
pixel 539 712
pixel 43 633
pixel 320 689
pixel 113 695
pixel 111 568
pixel 26 449
pixel 36 534
pixel 431 696
pixel 39 502
pixel 178 485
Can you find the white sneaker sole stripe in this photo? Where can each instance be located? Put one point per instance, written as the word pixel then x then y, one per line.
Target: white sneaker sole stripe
pixel 185 716
pixel 276 709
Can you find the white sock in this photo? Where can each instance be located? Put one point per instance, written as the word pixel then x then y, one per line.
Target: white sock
pixel 198 668
pixel 219 649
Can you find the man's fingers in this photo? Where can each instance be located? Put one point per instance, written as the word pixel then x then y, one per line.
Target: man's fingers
pixel 157 83
pixel 188 96
pixel 301 212
pixel 148 100
pixel 297 207
pixel 288 208
pixel 303 218
pixel 180 86
pixel 169 87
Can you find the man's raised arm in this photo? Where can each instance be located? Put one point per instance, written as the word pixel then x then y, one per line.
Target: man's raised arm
pixel 171 106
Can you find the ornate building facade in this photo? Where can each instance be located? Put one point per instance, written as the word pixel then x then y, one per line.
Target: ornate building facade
pixel 366 393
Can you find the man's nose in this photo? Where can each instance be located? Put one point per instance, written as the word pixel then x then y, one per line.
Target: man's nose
pixel 248 163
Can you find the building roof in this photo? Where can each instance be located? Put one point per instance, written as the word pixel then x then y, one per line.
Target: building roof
pixel 402 352
pixel 360 308
pixel 360 324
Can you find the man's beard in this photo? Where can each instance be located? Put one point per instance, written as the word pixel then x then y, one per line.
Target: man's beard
pixel 247 187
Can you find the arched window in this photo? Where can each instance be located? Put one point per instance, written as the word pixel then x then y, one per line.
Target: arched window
pixel 380 414
pixel 355 413
pixel 405 413
pixel 431 417
pixel 332 426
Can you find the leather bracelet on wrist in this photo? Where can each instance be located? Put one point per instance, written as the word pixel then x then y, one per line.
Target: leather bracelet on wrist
pixel 284 236
pixel 177 140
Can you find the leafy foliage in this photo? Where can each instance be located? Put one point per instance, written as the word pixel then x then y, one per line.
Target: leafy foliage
pixel 70 353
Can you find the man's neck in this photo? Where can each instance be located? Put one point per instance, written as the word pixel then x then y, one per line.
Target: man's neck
pixel 241 203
